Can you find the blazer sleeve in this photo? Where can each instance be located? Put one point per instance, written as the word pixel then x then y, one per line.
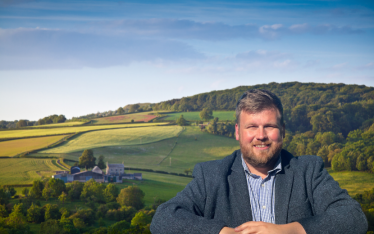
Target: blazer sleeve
pixel 334 210
pixel 185 212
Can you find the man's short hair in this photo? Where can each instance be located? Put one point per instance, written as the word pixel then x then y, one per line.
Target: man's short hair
pixel 257 100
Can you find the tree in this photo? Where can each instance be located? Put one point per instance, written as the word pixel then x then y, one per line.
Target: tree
pixel 17 220
pixel 181 121
pixel 118 227
pixel 50 227
pixel 134 108
pixel 62 197
pixel 131 196
pixel 187 171
pixel 47 192
pixel 87 159
pixel 93 189
pixel 58 186
pixel 206 114
pixel 25 191
pixel 34 214
pixel 120 111
pixel 141 219
pixel 111 192
pixel 4 197
pixel 74 190
pixel 61 119
pixel 37 188
pixel 101 163
pixel 21 123
pixel 51 212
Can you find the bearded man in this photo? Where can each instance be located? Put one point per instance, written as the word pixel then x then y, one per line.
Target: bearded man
pixel 261 188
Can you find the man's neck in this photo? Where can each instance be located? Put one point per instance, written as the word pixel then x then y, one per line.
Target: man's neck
pixel 262 171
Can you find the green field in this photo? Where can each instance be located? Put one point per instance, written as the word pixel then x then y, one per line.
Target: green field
pixel 156 185
pixel 14 147
pixel 66 124
pixel 116 137
pixel 141 116
pixel 184 151
pixel 67 130
pixel 194 116
pixel 24 170
pixel 354 181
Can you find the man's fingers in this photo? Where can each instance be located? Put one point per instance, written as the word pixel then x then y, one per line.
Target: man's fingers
pixel 247 225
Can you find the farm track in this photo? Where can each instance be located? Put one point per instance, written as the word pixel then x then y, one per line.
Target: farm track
pixel 176 142
pixel 58 162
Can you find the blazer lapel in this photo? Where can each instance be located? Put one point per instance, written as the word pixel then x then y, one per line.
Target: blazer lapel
pixel 238 189
pixel 283 189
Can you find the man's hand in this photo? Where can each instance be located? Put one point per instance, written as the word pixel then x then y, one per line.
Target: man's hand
pixel 265 228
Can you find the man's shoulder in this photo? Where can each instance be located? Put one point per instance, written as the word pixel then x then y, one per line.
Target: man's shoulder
pixel 301 163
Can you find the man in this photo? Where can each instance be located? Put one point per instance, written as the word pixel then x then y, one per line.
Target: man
pixel 260 188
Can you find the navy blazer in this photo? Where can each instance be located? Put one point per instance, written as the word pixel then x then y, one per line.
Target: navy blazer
pixel 218 197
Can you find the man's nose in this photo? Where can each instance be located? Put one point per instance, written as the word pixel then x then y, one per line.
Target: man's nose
pixel 261 133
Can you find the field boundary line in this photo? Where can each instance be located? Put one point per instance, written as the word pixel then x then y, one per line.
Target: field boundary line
pixel 67 133
pixel 175 144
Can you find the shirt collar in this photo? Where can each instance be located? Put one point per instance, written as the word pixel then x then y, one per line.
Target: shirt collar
pixel 277 168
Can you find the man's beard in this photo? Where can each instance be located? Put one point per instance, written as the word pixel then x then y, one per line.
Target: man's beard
pixel 264 159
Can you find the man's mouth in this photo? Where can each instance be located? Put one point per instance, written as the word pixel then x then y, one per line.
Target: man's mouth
pixel 262 146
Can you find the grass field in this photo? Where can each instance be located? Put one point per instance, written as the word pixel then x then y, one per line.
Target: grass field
pixel 67 130
pixel 354 181
pixel 14 147
pixel 116 137
pixel 155 185
pixel 24 170
pixel 194 116
pixel 67 124
pixel 184 151
pixel 142 116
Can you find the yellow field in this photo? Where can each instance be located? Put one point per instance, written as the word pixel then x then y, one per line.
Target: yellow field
pixel 67 124
pixel 66 130
pixel 116 137
pixel 24 170
pixel 14 147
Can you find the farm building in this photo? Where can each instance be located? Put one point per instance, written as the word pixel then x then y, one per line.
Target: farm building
pixel 114 173
pixel 115 169
pixel 87 175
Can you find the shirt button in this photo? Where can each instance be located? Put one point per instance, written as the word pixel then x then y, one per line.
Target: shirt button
pixel 263 207
pixel 263 185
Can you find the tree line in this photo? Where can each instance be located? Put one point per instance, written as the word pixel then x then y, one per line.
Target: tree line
pixel 105 203
pixel 366 200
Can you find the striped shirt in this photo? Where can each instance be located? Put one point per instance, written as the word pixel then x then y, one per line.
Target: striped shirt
pixel 261 193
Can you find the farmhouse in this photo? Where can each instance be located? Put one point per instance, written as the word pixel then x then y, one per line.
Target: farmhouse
pixel 114 173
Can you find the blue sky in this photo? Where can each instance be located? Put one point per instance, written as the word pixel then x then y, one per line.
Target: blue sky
pixel 80 57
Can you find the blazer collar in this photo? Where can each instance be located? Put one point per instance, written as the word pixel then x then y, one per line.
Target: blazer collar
pixel 239 191
pixel 283 187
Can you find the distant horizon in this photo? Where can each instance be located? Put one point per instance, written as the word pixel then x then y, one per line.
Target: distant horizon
pixel 77 57
pixel 69 118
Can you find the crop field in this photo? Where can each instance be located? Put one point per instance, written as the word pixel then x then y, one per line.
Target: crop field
pixel 14 147
pixel 354 181
pixel 116 137
pixel 24 170
pixel 142 116
pixel 67 130
pixel 194 116
pixel 66 124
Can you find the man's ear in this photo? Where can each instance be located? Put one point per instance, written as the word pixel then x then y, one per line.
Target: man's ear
pixel 237 131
